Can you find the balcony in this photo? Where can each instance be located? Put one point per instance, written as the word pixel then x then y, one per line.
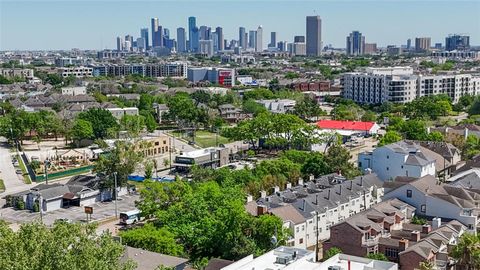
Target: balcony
pixel 373 241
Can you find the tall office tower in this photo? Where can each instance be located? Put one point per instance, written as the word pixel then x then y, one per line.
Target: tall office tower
pixel 252 38
pixel 219 32
pixel 120 44
pixel 314 35
pixel 194 42
pixel 214 38
pixel 140 44
pixel 154 30
pixel 370 48
pixel 158 37
pixel 281 45
pixel 457 42
pixel 192 23
pixel 144 35
pixel 241 38
pixel 206 47
pixel 355 43
pixel 181 40
pixel 298 39
pixel 438 46
pixel 422 44
pixel 166 33
pixel 259 39
pixel 205 32
pixel 273 40
pixel 409 44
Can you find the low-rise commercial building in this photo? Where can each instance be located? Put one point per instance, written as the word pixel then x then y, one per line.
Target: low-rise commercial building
pixel 212 157
pixel 278 105
pixel 221 76
pixel 120 112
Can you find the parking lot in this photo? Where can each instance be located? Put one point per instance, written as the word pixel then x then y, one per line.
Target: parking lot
pixel 101 211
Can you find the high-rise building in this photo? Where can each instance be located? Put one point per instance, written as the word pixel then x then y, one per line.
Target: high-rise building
pixel 355 43
pixel 166 33
pixel 252 38
pixel 205 32
pixel 206 47
pixel 219 32
pixel 120 44
pixel 140 44
pixel 144 35
pixel 299 39
pixel 155 25
pixel 422 44
pixel 370 48
pixel 282 46
pixel 259 39
pixel 181 40
pixel 273 40
pixel 241 38
pixel 158 37
pixel 409 44
pixel 314 35
pixel 457 42
pixel 194 42
pixel 192 24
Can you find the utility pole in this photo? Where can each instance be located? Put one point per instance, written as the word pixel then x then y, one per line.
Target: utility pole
pixel 115 193
pixel 46 163
pixel 316 234
pixel 40 207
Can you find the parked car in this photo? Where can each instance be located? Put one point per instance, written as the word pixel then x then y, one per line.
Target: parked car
pixel 19 171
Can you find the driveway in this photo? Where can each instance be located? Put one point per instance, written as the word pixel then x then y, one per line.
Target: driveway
pixel 7 171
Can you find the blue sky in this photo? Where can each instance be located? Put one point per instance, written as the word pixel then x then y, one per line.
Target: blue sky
pixel 92 24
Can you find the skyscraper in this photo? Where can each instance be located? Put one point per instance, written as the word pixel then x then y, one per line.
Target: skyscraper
pixel 252 38
pixel 205 32
pixel 154 30
pixel 273 40
pixel 166 33
pixel 409 44
pixel 422 44
pixel 259 39
pixel 219 31
pixel 314 35
pixel 158 37
pixel 241 38
pixel 355 43
pixel 144 35
pixel 192 23
pixel 181 40
pixel 299 39
pixel 457 42
pixel 194 42
pixel 119 44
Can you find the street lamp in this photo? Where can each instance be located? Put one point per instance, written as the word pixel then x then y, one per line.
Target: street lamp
pixel 40 206
pixel 115 193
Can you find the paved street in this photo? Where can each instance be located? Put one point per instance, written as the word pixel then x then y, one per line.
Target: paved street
pixel 7 171
pixel 101 211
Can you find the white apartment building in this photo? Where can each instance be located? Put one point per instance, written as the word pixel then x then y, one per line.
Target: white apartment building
pixel 17 72
pixel 313 207
pixel 76 71
pixel 74 91
pixel 454 85
pixel 398 159
pixel 118 113
pixel 400 85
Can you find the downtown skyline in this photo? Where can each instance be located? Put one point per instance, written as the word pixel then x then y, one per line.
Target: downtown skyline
pixel 97 32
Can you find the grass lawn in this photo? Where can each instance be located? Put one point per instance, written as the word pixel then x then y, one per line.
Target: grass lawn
pixel 204 138
pixel 138 185
pixel 26 177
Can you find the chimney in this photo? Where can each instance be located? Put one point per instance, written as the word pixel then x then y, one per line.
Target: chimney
pixel 340 191
pixel 351 185
pixel 415 236
pixel 261 209
pixel 303 206
pixel 361 181
pixel 249 198
pixel 465 133
pixel 276 189
pixel 426 228
pixel 263 194
pixel 316 199
pixel 436 223
pixel 300 181
pixel 311 177
pixel 328 194
pixel 339 172
pixel 289 185
pixel 403 244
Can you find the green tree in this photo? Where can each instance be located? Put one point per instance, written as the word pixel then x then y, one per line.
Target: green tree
pixel 435 136
pixel 338 159
pixel 101 120
pixel 149 237
pixel 332 252
pixel 377 256
pixel 123 160
pixel 251 106
pixel 133 124
pixel 315 164
pixel 467 251
pixel 308 108
pixel 64 246
pixel 369 116
pixel 427 265
pixel 81 129
pixel 415 130
pixel 390 136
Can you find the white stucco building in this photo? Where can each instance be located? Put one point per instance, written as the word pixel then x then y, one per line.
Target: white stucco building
pixel 397 159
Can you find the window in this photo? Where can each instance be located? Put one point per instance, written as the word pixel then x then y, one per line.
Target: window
pixel 298 229
pixel 423 208
pixel 388 168
pixel 388 156
pixel 409 193
pixel 303 228
pixel 300 241
pixel 391 252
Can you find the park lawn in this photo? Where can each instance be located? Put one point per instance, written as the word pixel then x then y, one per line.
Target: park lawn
pixel 204 138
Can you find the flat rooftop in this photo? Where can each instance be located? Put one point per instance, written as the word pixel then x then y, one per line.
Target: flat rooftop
pixel 200 152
